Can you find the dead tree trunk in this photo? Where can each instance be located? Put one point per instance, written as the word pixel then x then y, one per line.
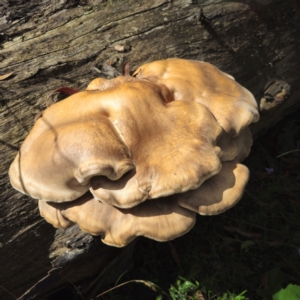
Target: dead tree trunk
pixel 51 44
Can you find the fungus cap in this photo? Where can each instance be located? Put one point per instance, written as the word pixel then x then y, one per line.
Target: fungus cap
pixel 218 193
pixel 161 219
pixel 233 106
pixel 93 138
pixel 56 162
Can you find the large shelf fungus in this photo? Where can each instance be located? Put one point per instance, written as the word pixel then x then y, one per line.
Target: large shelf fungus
pixel 140 155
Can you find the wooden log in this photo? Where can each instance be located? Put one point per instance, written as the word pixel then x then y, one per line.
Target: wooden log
pixel 51 44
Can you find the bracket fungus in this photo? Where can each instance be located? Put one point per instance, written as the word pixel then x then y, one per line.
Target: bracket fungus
pixel 140 155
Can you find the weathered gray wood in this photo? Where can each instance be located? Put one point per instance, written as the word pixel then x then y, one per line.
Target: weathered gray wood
pixel 50 44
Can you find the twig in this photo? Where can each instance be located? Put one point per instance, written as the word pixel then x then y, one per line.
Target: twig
pixel 288 153
pixel 151 285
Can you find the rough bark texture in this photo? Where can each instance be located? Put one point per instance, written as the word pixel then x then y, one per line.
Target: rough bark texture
pixel 50 44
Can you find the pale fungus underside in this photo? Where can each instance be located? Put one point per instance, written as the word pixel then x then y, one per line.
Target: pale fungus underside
pixel 140 155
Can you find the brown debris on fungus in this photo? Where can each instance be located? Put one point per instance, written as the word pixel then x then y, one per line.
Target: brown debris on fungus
pixel 140 155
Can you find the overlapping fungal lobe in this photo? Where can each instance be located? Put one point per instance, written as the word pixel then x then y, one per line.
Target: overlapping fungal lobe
pixel 124 143
pixel 160 219
pixel 218 193
pixel 172 152
pixel 57 159
pixel 233 106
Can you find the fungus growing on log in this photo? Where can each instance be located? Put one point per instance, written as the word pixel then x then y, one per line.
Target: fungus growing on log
pixel 140 155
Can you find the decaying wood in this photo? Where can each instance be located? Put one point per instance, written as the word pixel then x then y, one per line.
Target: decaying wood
pixel 53 44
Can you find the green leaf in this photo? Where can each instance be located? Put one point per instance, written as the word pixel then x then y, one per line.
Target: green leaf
pixel 291 292
pixel 182 289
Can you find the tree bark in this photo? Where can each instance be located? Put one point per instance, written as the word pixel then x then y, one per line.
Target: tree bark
pixel 51 44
